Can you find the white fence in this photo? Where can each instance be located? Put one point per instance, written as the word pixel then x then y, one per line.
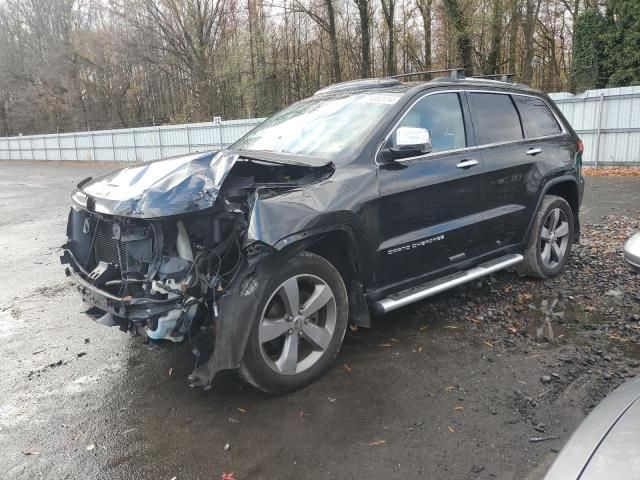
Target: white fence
pixel 608 123
pixel 607 120
pixel 126 145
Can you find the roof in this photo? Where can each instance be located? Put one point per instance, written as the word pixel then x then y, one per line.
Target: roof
pixel 394 85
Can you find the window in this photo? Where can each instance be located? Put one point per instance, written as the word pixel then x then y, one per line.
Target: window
pixel 537 118
pixel 495 118
pixel 442 116
pixel 328 127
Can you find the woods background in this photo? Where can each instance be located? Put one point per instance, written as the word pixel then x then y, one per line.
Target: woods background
pixel 69 65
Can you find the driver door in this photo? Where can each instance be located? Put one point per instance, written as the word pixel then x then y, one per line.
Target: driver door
pixel 431 205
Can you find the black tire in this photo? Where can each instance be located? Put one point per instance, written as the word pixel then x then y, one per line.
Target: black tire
pixel 257 368
pixel 535 263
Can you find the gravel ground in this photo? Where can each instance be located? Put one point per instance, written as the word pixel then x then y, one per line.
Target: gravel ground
pixel 455 387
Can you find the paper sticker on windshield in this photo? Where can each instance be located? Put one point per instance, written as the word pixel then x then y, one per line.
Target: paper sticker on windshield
pixel 386 98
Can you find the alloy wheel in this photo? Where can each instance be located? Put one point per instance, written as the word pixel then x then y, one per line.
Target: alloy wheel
pixel 554 238
pixel 297 324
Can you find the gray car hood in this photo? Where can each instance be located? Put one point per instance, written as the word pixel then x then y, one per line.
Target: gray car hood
pixel 607 443
pixel 161 188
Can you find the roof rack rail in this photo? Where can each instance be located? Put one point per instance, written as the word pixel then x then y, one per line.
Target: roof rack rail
pixel 502 77
pixel 453 73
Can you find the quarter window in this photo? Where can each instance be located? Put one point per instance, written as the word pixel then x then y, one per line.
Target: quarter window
pixel 538 120
pixel 495 118
pixel 441 114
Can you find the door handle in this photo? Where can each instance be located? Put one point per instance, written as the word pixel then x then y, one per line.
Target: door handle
pixel 467 163
pixel 534 151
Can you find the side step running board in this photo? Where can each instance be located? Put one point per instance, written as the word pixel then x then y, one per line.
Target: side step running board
pixel 434 287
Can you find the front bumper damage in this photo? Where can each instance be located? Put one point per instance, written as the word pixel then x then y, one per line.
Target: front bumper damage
pixel 171 255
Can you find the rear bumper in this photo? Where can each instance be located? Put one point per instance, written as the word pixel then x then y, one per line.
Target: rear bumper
pixel 134 309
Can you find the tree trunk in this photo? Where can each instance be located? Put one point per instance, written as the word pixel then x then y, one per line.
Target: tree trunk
pixel 514 24
pixel 333 39
pixel 463 38
pixel 388 10
pixel 365 38
pixel 529 28
pixel 491 66
pixel 424 6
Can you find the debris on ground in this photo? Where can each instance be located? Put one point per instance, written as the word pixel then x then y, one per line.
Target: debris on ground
pixel 611 172
pixel 375 443
pixel 543 439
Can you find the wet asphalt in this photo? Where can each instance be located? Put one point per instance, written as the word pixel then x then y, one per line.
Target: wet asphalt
pixel 409 398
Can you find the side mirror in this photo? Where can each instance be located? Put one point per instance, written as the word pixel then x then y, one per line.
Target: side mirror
pixel 411 142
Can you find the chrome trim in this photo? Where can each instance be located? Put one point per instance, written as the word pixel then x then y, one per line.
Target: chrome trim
pixel 432 288
pixel 467 163
pixel 474 147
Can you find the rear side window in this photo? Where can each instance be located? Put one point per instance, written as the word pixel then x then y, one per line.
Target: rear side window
pixel 537 118
pixel 495 118
pixel 441 114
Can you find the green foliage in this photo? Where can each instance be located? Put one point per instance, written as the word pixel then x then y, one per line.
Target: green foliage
pixel 589 66
pixel 622 42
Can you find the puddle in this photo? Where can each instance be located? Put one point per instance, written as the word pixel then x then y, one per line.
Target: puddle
pixel 565 319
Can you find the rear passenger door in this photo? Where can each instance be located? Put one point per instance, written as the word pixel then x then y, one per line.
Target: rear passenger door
pixel 514 166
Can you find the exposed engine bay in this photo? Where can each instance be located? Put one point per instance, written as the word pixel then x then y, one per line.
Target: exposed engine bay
pixel 164 277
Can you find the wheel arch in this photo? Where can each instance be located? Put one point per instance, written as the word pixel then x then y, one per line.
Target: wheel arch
pixel 340 247
pixel 565 187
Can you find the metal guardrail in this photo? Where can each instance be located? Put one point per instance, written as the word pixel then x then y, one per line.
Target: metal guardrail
pixel 126 145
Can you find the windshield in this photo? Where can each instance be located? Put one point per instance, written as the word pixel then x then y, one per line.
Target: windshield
pixel 322 127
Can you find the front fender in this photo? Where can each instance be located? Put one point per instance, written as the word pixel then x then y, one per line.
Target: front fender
pixel 238 308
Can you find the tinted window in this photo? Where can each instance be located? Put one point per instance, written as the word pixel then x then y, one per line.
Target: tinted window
pixel 495 118
pixel 536 116
pixel 441 114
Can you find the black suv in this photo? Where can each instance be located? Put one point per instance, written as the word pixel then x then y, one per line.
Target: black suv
pixel 366 197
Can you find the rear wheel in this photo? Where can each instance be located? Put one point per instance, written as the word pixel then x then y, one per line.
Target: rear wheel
pixel 550 239
pixel 299 326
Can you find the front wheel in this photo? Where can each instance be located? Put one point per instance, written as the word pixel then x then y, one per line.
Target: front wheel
pixel 299 327
pixel 550 239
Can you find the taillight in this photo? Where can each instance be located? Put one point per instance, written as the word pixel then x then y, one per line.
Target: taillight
pixel 580 146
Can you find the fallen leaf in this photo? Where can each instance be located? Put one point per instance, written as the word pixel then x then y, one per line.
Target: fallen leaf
pixel 423 328
pixel 375 443
pixel 450 428
pixel 91 447
pixel 458 408
pixel 347 368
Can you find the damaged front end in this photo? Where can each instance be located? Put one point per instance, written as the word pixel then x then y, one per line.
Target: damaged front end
pixel 162 250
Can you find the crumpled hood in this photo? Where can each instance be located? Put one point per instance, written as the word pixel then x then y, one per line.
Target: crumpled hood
pixel 176 185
